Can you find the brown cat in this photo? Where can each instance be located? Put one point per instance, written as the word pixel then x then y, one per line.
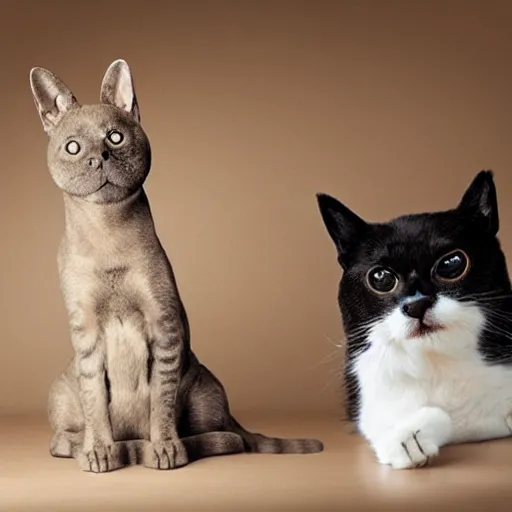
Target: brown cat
pixel 134 391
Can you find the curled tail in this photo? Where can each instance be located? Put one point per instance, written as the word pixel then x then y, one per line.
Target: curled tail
pixel 259 443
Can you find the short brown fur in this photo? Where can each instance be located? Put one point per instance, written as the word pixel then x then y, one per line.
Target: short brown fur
pixel 134 391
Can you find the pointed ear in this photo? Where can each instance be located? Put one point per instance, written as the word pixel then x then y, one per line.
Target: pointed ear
pixel 117 88
pixel 52 97
pixel 343 225
pixel 480 202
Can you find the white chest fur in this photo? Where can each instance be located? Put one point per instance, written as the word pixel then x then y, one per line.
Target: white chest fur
pixel 438 384
pixel 476 396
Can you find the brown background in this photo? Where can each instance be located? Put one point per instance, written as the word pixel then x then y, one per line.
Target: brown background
pixel 252 107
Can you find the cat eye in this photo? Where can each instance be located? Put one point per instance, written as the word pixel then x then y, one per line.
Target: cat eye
pixel 452 267
pixel 382 280
pixel 72 147
pixel 115 137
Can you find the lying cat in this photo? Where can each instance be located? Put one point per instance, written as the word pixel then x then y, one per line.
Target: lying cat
pixel 426 304
pixel 134 392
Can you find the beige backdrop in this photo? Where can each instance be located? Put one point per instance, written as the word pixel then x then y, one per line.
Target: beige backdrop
pixel 252 107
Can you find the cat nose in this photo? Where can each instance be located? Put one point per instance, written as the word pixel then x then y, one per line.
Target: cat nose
pixel 417 306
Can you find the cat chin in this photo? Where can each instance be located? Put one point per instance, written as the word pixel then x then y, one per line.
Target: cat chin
pixel 421 329
pixel 108 193
pixel 449 325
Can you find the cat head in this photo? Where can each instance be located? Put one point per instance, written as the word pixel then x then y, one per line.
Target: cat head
pixel 419 279
pixel 97 152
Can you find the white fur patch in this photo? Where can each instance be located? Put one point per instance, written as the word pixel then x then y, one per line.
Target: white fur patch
pixel 420 393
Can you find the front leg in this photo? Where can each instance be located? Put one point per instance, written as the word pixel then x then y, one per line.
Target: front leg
pixel 414 441
pixel 483 429
pixel 97 455
pixel 166 450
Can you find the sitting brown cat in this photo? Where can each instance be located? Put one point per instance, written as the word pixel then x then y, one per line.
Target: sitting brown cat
pixel 134 391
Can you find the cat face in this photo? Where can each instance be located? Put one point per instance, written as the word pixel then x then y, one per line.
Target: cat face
pixel 419 279
pixel 97 152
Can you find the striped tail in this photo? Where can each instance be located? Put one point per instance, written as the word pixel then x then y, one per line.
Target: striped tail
pixel 259 443
pixel 211 444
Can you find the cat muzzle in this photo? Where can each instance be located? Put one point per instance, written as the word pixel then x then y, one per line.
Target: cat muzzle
pixel 418 308
pixel 95 163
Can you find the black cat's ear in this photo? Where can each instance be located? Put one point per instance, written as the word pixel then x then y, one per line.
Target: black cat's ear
pixel 51 96
pixel 117 88
pixel 480 202
pixel 343 225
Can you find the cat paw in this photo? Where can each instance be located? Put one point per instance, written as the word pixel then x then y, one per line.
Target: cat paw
pixel 168 454
pixel 99 458
pixel 415 441
pixel 413 450
pixel 60 446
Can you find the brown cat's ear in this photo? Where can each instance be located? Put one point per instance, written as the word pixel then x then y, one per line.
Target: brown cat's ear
pixel 117 88
pixel 52 97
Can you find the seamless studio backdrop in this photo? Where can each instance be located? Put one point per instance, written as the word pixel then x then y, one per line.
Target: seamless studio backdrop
pixel 251 108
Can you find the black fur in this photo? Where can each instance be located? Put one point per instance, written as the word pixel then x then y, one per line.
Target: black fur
pixel 410 246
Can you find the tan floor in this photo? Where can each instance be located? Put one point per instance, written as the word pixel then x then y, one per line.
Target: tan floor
pixel 344 477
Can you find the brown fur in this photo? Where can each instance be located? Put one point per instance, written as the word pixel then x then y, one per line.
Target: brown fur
pixel 134 391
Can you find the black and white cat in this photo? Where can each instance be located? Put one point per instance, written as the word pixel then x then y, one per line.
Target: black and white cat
pixel 426 303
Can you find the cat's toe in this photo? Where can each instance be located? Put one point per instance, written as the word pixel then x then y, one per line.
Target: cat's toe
pixel 169 454
pixel 413 450
pixel 100 458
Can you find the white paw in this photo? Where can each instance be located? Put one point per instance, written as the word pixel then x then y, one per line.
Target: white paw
pixel 415 441
pixel 412 450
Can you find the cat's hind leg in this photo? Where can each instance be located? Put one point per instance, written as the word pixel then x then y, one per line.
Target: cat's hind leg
pixel 204 424
pixel 207 410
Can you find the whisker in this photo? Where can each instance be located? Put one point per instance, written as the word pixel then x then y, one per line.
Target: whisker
pixel 491 292
pixel 496 329
pixel 493 298
pixel 337 345
pixel 498 314
pixel 481 298
pixel 326 359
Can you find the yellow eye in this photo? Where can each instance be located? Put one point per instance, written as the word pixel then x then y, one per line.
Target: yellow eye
pixel 452 267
